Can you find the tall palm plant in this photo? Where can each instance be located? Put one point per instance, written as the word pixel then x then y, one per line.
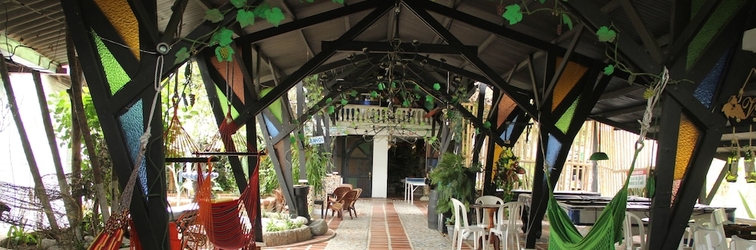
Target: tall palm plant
pixel 453 180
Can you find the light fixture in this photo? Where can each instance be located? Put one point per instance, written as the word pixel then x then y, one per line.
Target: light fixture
pixel 598 155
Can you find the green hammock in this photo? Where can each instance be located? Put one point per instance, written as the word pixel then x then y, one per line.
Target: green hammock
pixel 605 232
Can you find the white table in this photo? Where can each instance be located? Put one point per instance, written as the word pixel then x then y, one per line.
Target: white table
pixel 410 185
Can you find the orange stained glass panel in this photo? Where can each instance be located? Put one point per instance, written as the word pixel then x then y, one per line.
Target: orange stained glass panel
pixel 506 106
pixel 122 18
pixel 567 81
pixel 687 139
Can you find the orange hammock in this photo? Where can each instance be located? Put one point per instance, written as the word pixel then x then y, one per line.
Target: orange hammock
pixel 112 235
pixel 222 221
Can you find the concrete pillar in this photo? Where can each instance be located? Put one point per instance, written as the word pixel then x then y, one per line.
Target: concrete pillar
pixel 380 166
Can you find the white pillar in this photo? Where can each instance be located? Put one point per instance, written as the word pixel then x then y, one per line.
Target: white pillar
pixel 380 166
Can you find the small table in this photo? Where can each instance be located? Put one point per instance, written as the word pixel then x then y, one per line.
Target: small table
pixel 490 209
pixel 410 185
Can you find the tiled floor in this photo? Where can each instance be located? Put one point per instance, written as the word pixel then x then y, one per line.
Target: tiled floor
pixel 383 224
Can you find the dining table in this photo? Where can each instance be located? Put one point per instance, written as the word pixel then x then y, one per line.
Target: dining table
pixel 489 210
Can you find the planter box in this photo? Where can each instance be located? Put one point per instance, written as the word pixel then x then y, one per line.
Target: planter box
pixel 287 237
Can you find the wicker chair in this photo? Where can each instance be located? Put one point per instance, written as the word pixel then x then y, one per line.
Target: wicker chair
pixel 338 195
pixel 344 204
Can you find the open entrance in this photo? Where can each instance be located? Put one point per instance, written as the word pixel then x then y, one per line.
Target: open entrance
pixel 405 159
pixel 357 166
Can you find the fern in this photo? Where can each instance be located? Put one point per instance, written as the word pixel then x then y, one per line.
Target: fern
pixel 451 178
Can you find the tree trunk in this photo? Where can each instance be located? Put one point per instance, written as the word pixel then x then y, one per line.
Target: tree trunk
pixel 77 107
pixel 39 187
pixel 71 209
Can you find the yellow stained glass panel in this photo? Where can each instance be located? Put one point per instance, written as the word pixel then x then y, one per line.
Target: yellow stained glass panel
pixel 122 18
pixel 687 139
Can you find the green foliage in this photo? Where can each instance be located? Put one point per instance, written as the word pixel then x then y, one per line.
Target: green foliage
pixel 567 20
pixel 18 236
pixel 609 69
pixel 182 55
pixel 605 34
pixel 245 18
pixel 268 177
pixel 213 15
pixel 451 178
pixel 513 14
pixel 272 226
pixel 436 86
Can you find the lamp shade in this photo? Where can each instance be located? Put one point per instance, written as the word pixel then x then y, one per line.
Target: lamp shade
pixel 599 156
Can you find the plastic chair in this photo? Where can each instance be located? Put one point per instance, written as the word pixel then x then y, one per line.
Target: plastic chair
pixel 627 231
pixel 482 219
pixel 462 229
pixel 738 243
pixel 506 225
pixel 708 239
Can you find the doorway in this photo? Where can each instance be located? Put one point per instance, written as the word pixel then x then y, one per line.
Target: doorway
pixel 357 166
pixel 404 160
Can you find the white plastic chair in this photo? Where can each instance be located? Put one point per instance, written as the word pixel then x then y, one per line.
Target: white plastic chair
pixel 506 226
pixel 462 229
pixel 708 239
pixel 738 243
pixel 481 216
pixel 629 242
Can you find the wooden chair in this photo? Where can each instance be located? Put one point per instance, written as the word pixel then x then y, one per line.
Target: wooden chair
pixel 337 196
pixel 348 199
pixel 351 204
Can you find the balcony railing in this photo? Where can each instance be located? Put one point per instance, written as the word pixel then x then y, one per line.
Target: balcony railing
pixel 367 119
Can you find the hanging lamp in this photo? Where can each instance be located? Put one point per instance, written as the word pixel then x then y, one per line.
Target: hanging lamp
pixel 598 155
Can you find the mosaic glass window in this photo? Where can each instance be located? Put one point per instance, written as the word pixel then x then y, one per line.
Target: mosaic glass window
pixel 705 91
pixel 236 75
pixel 132 124
pixel 224 103
pixel 552 151
pixel 687 140
pixel 114 73
pixel 711 27
pixel 567 81
pixel 272 130
pixel 274 107
pixel 506 106
pixel 510 128
pixel 123 20
pixel 563 124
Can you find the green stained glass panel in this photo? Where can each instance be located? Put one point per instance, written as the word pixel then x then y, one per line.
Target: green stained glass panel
pixel 564 122
pixel 224 103
pixel 711 28
pixel 114 73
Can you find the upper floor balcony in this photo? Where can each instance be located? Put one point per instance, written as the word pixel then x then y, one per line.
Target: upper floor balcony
pixel 376 120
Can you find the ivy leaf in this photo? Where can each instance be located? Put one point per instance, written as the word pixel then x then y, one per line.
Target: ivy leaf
pixel 631 79
pixel 331 109
pixel 436 86
pixel 344 102
pixel 222 37
pixel 487 125
pixel 609 69
pixel 339 1
pixel 605 34
pixel 428 98
pixel 353 93
pixel 417 96
pixel 329 100
pixel 261 9
pixel 417 87
pixel 181 55
pixel 513 14
pixel 245 18
pixel 274 16
pixel 393 84
pixel 238 3
pixel 213 15
pixel 381 86
pixel 406 103
pixel 373 94
pixel 566 20
pixel 542 1
pixel 224 53
pixel 428 105
pixel 301 136
pixel 292 139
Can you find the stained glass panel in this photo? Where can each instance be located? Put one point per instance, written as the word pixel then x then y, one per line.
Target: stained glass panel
pixel 563 124
pixel 132 124
pixel 123 20
pixel 114 73
pixel 272 130
pixel 687 140
pixel 567 81
pixel 506 106
pixel 705 91
pixel 711 28
pixel 224 103
pixel 552 151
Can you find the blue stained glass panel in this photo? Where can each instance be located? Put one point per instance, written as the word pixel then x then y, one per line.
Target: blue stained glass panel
pixel 552 151
pixel 510 128
pixel 272 130
pixel 705 91
pixel 132 123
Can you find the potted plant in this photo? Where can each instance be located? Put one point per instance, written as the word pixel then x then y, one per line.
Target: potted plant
pixel 506 176
pixel 453 180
